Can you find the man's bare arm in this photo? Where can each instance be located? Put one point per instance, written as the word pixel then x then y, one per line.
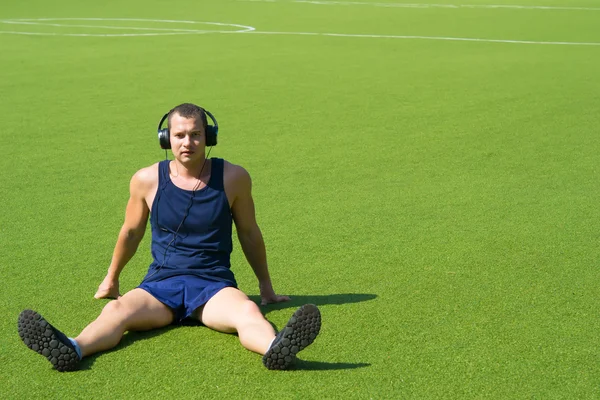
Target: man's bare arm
pixel 130 236
pixel 250 236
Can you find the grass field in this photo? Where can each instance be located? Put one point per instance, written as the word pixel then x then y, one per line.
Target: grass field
pixel 427 174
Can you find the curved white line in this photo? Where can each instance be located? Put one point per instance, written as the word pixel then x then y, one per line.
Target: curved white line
pixel 174 21
pixel 110 27
pixel 95 34
pixel 167 31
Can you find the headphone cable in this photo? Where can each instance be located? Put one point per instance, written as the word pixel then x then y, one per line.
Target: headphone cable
pixel 189 206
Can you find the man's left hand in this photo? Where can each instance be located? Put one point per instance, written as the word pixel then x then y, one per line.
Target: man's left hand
pixel 274 298
pixel 268 296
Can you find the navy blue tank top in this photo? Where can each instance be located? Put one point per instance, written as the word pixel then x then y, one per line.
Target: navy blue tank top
pixel 191 230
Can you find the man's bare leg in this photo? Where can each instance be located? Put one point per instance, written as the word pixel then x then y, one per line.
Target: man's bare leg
pixel 230 311
pixel 137 310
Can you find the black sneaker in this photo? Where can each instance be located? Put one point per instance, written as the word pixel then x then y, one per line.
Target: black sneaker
pixel 300 331
pixel 48 341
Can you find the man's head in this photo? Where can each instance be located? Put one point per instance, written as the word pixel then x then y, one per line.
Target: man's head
pixel 187 132
pixel 189 111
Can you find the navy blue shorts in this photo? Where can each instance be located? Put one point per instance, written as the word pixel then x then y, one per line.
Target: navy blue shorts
pixel 184 293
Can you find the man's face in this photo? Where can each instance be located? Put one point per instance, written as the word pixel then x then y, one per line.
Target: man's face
pixel 187 138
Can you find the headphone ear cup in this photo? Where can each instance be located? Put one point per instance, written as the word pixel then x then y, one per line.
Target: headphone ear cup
pixel 211 135
pixel 163 139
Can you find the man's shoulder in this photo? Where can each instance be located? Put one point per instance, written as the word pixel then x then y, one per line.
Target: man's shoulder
pixel 146 177
pixel 234 172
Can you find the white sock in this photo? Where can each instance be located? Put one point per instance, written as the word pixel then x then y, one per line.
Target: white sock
pixel 77 348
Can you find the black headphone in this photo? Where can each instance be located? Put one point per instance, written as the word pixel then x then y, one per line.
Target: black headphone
pixel 210 131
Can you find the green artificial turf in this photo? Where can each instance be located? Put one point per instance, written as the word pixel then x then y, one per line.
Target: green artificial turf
pixel 435 197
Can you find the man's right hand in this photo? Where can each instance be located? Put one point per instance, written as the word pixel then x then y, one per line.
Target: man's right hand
pixel 108 289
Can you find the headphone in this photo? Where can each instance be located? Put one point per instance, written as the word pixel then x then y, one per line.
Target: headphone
pixel 210 131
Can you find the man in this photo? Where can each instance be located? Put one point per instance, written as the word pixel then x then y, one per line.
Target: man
pixel 191 202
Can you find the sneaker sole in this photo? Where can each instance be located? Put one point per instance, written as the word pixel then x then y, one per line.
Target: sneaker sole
pixel 41 337
pixel 300 331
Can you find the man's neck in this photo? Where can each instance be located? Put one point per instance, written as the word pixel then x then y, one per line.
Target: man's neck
pixel 190 170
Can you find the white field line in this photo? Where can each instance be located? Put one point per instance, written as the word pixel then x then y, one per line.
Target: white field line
pixel 245 29
pixel 174 21
pixel 416 5
pixel 36 21
pixel 96 34
pixel 454 39
pixel 108 27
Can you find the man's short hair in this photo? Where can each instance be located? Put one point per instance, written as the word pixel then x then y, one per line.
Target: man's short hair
pixel 188 110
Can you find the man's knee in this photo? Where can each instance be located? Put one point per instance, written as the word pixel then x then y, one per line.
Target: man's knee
pixel 116 310
pixel 249 310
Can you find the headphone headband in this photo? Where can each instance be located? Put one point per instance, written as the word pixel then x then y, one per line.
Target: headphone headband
pixel 214 120
pixel 162 120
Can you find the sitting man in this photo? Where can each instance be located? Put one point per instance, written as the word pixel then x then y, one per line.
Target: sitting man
pixel 191 202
